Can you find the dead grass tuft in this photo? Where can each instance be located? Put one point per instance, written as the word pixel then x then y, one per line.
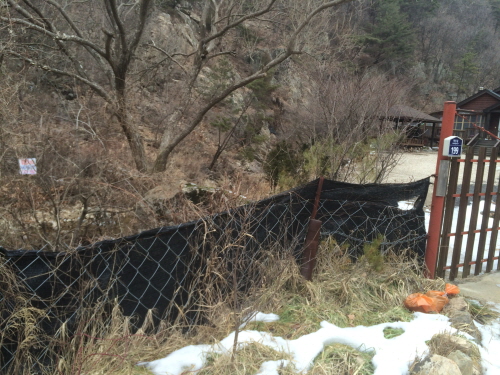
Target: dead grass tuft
pixel 482 313
pixel 248 361
pixel 342 359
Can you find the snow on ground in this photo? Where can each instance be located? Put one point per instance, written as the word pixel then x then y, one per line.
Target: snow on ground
pixel 259 317
pixel 490 347
pixel 392 356
pixel 490 344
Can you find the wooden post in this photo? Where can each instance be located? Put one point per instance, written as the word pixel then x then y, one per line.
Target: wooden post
pixel 312 238
pixel 311 249
pixel 437 205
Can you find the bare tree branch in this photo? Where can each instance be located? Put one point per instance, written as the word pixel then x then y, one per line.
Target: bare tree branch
pixel 75 28
pixel 119 24
pixel 50 26
pixel 143 15
pixel 168 55
pixel 239 21
pixel 24 12
pixel 96 87
pixel 55 35
pixel 66 17
pixel 293 39
pixel 232 53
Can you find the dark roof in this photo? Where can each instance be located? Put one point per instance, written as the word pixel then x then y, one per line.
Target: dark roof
pixel 405 113
pixel 477 95
pixel 492 108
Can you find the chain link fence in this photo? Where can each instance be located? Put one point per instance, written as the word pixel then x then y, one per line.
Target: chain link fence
pixel 167 275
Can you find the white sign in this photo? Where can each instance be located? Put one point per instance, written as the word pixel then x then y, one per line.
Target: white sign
pixel 27 166
pixel 452 146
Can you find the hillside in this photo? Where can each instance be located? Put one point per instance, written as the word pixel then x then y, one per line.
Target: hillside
pixel 127 105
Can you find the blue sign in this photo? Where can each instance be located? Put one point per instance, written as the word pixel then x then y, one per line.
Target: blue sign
pixel 453 146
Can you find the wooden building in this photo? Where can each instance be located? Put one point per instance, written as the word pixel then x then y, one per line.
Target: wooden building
pixel 421 129
pixel 481 110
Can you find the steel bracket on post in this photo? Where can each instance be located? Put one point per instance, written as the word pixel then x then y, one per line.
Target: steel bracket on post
pixel 442 181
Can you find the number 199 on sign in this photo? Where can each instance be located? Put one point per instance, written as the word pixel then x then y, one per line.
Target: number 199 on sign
pixel 452 146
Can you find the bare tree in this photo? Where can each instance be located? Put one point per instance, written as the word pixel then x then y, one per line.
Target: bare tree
pixel 224 125
pixel 50 37
pixel 96 43
pixel 211 36
pixel 352 142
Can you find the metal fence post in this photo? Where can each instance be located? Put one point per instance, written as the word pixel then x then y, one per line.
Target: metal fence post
pixel 437 205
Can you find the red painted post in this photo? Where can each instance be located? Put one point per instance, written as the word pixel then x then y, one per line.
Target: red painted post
pixel 437 205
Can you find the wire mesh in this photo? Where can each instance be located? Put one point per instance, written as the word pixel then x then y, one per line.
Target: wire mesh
pixel 167 273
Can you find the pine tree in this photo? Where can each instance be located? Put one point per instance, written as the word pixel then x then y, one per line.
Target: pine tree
pixel 418 10
pixel 465 73
pixel 391 39
pixel 495 10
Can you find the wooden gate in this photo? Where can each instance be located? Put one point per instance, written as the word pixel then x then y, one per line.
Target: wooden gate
pixel 468 240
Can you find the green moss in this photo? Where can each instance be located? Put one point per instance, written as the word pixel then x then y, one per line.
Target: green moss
pixel 372 253
pixel 390 333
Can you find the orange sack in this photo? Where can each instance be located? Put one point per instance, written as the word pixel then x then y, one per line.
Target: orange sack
pixel 433 293
pixel 432 301
pixel 420 302
pixel 439 299
pixel 451 289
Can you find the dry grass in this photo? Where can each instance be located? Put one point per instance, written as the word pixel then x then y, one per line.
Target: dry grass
pixel 342 359
pixel 443 344
pixel 482 313
pixel 342 292
pixel 248 361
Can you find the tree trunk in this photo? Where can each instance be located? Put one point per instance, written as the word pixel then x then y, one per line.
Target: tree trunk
pixel 160 163
pixel 217 154
pixel 129 129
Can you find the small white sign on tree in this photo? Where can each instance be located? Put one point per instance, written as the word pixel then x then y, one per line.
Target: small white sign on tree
pixel 27 166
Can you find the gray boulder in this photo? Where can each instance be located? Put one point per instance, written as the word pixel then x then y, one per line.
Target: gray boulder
pixel 439 365
pixel 463 361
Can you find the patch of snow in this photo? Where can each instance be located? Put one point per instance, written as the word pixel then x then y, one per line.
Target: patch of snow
pixel 192 358
pixel 490 347
pixel 392 356
pixel 272 367
pixel 260 317
pixel 405 205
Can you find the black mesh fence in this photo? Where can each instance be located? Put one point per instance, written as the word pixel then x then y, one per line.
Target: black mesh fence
pixel 167 272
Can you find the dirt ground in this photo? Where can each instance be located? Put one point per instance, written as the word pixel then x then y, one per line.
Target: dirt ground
pixel 484 288
pixel 415 166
